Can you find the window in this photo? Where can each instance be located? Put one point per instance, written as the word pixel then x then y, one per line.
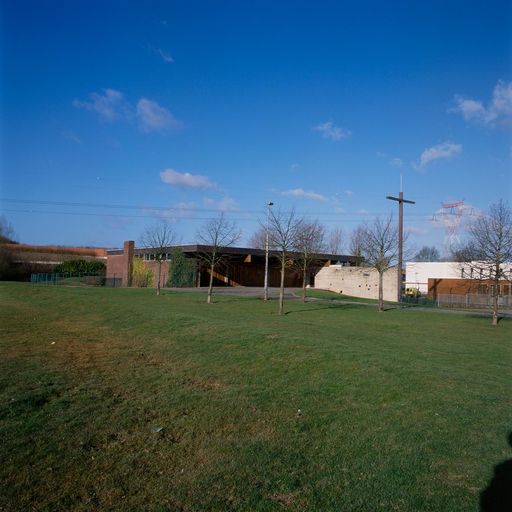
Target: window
pixel 482 289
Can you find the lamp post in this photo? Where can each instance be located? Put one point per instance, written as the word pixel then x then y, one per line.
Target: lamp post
pixel 265 293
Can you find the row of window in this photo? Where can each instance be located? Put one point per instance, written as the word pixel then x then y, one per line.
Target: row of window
pixel 488 289
pixel 153 257
pixel 472 273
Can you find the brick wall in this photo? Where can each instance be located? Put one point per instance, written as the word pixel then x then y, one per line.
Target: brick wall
pixel 115 266
pixel 463 286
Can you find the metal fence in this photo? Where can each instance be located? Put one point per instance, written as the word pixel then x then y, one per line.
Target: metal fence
pixel 472 300
pixel 75 279
pixel 419 301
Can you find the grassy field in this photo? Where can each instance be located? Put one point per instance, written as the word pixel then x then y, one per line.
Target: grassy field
pixel 328 408
pixel 326 294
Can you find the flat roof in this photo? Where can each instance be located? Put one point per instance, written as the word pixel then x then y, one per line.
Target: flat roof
pixel 197 249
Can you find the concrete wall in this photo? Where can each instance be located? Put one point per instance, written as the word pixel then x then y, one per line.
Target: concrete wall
pixel 357 281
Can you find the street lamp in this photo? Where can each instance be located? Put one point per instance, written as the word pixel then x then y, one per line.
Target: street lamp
pixel 265 294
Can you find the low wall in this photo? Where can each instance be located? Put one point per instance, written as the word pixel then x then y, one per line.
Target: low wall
pixel 357 281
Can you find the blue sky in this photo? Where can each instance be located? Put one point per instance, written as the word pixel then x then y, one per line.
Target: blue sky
pixel 181 110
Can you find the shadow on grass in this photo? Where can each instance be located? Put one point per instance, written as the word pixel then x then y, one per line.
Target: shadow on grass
pixel 497 496
pixel 323 307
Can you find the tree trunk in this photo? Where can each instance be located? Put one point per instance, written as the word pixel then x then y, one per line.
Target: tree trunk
pixel 381 298
pixel 210 286
pixel 495 309
pixel 495 296
pixel 159 275
pixel 281 290
pixel 304 271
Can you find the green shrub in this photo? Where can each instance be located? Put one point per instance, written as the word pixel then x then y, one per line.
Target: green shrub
pixel 93 266
pixel 142 277
pixel 181 270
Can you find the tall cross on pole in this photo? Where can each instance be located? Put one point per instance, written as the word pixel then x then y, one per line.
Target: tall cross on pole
pixel 400 199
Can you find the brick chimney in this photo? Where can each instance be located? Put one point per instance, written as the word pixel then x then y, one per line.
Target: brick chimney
pixel 129 248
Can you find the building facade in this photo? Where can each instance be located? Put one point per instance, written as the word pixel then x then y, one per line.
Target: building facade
pixel 240 266
pixel 449 277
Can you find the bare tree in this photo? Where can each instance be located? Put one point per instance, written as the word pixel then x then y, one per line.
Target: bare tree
pixel 258 239
pixel 380 248
pixel 284 229
pixel 356 241
pixel 159 238
pixel 335 241
pixel 463 253
pixel 217 233
pixel 427 254
pixel 490 248
pixel 7 235
pixel 309 243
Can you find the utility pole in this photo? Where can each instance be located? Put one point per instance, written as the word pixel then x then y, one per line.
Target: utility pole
pixel 400 199
pixel 265 294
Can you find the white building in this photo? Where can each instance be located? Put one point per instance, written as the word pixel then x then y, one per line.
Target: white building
pixel 417 273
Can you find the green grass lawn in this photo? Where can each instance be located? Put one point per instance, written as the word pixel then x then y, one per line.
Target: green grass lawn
pixel 326 294
pixel 331 407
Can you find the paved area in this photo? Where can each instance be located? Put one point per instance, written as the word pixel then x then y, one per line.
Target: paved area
pixel 244 291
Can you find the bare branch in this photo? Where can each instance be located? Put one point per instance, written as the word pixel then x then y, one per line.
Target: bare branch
pixel 379 246
pixel 284 229
pixel 310 241
pixel 335 242
pixel 159 238
pixel 356 243
pixel 488 253
pixel 217 233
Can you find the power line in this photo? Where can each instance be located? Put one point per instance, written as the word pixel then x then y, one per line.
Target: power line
pixel 334 215
pixel 116 215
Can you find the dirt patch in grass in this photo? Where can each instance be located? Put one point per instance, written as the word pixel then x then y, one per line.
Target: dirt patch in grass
pixel 290 499
pixel 202 384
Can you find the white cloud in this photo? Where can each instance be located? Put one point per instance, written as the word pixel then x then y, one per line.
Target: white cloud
pixel 393 161
pixel 470 109
pixel 446 150
pixel 329 131
pixel 414 230
pixel 72 136
pixel 299 192
pixel 153 117
pixel 110 105
pixel 497 112
pixel 185 179
pixel 166 57
pixel 182 210
pixel 185 206
pixel 397 162
pixel 226 204
pixel 349 193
